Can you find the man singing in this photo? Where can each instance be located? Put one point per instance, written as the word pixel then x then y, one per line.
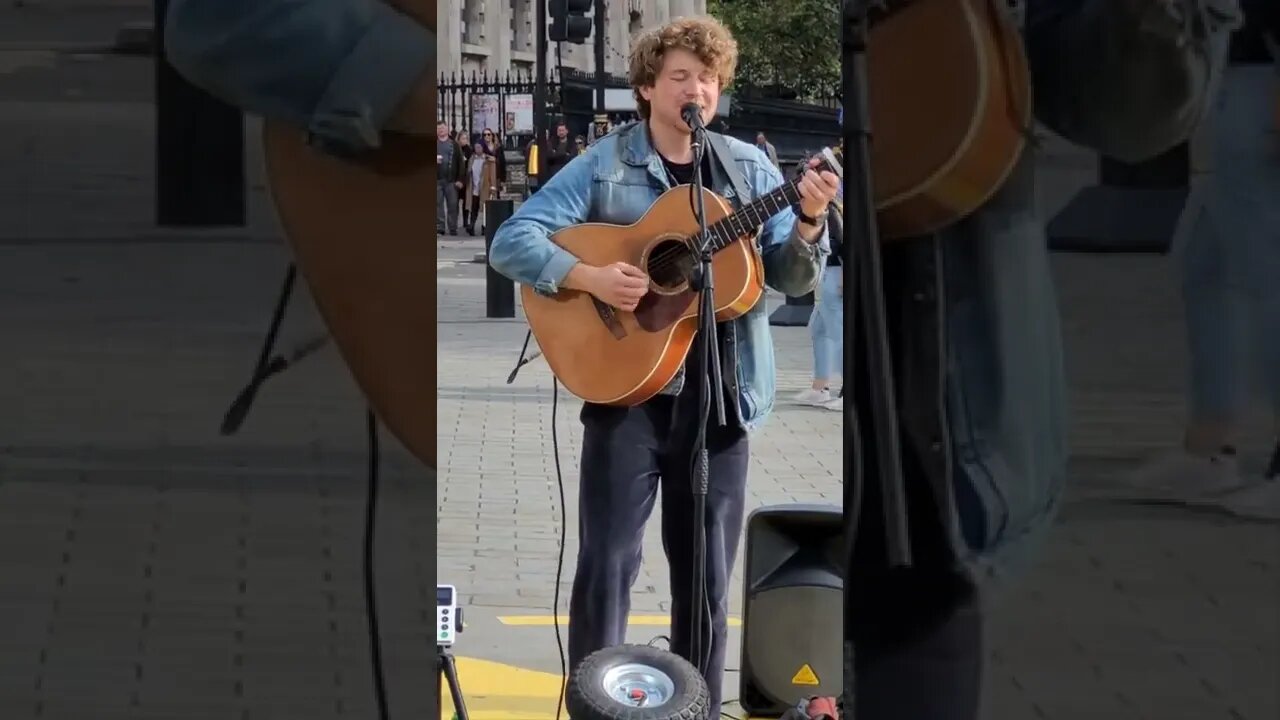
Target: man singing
pixel 628 452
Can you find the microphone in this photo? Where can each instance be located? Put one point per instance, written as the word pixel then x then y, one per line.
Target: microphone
pixel 692 115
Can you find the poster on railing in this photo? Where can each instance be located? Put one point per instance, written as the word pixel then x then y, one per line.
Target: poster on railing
pixel 486 113
pixel 519 115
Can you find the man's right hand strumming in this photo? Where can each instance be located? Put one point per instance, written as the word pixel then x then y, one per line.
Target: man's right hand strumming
pixel 620 285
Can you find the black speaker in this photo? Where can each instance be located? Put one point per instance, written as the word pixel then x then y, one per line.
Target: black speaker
pixel 793 607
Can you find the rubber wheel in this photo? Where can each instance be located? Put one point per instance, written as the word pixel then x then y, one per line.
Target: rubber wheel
pixel 636 682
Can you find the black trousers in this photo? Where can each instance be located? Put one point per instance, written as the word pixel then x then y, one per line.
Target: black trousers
pixel 627 455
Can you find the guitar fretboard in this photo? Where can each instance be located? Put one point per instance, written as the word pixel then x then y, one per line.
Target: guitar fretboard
pixel 751 216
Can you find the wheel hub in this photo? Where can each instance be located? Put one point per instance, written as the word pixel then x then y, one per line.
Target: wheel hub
pixel 638 685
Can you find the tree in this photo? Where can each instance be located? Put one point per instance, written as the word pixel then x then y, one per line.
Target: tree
pixel 792 45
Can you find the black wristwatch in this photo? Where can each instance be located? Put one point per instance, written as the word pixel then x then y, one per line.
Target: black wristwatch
pixel 810 220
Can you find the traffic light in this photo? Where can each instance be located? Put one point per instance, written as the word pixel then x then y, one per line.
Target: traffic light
pixel 569 22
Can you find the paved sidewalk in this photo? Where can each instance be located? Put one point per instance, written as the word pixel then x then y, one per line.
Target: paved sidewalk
pixel 153 568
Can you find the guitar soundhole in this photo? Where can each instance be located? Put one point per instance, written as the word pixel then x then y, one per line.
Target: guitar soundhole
pixel 669 264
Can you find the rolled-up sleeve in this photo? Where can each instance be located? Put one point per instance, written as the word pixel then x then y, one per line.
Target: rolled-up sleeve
pixel 792 265
pixel 522 249
pixel 335 68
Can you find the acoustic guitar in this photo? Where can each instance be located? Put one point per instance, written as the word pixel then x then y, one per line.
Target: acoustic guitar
pixel 949 100
pixel 612 357
pixel 361 232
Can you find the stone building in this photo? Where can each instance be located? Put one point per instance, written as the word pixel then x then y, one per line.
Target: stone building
pixel 499 35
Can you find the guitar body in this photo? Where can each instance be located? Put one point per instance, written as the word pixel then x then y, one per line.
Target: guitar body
pixel 949 99
pixel 361 235
pixel 611 357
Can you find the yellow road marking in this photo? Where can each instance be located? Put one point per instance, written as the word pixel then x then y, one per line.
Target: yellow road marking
pixel 494 691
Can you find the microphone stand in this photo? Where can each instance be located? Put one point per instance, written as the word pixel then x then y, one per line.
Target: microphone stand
pixel 862 244
pixel 709 387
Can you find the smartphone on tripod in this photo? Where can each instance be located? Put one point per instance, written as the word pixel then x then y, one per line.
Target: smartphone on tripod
pixel 447 626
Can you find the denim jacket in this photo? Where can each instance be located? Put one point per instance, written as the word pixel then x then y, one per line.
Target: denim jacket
pixel 980 361
pixel 336 68
pixel 616 181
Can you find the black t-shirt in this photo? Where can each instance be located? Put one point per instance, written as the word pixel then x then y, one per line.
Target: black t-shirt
pixel 683 172
pixel 683 175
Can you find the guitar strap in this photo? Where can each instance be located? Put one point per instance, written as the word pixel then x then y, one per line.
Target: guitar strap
pixel 724 159
pixel 722 162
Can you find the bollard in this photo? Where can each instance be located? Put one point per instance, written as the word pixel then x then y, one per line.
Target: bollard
pixel 499 291
pixel 200 169
pixel 795 313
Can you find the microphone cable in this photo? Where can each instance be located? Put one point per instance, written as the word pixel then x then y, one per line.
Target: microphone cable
pixel 564 522
pixel 564 511
pixel 265 368
pixel 564 508
pixel 370 596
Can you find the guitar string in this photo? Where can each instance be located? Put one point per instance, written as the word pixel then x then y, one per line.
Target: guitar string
pixel 719 232
pixel 724 232
pixel 721 228
pixel 664 260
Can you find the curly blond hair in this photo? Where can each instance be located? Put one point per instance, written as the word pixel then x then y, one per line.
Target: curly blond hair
pixel 705 37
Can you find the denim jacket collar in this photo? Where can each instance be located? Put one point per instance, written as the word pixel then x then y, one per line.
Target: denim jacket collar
pixel 637 150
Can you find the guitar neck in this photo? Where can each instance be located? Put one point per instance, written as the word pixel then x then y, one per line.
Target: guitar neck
pixel 745 220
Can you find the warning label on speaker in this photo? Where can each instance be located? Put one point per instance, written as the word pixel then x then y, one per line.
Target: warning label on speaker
pixel 805 676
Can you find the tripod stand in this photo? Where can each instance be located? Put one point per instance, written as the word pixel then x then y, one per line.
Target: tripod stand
pixel 447 671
